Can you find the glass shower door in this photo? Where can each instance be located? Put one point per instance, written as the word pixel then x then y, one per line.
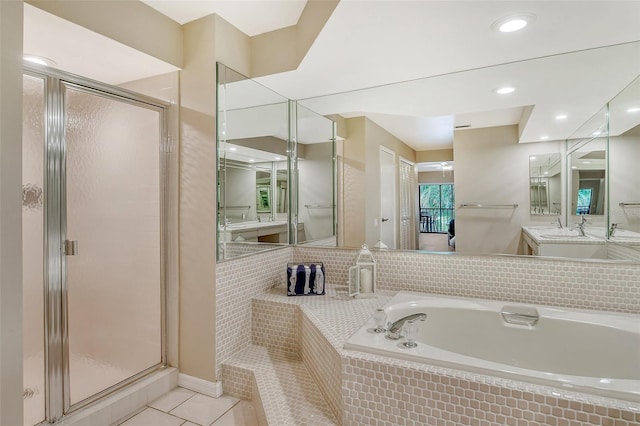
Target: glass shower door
pixel 113 241
pixel 33 249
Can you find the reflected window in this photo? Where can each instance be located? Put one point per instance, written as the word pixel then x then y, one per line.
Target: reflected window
pixel 584 201
pixel 437 210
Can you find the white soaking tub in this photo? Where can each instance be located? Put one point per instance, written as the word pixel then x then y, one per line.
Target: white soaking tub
pixel 591 352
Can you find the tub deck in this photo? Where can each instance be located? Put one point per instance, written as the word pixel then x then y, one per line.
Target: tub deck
pixel 359 386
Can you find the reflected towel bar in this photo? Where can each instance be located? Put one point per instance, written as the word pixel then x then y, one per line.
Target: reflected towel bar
pixel 319 206
pixel 628 204
pixel 490 206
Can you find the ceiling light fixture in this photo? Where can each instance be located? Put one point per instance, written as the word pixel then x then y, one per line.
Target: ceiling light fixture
pixel 39 60
pixel 513 23
pixel 505 90
pixel 544 137
pixel 633 109
pixel 561 116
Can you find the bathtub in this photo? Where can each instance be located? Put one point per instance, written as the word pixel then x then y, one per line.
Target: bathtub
pixel 582 351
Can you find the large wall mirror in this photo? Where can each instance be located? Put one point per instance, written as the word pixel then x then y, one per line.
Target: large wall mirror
pixel 276 172
pixel 526 168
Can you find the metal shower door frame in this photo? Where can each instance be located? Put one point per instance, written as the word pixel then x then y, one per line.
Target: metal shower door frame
pixel 56 83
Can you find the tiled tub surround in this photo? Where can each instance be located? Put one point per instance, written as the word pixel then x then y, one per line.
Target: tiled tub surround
pixel 575 284
pixel 385 391
pixel 560 347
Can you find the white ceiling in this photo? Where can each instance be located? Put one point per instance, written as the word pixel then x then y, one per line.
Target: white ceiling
pixel 437 62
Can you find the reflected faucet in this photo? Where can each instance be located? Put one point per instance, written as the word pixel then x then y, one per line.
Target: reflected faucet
pixel 581 225
pixel 396 327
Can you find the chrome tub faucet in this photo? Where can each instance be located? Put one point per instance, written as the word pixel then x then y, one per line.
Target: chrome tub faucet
pixel 395 329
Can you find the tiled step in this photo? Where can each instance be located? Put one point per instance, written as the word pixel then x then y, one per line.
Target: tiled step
pixel 280 383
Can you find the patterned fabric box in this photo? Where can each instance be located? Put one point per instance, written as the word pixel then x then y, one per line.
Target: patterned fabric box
pixel 305 279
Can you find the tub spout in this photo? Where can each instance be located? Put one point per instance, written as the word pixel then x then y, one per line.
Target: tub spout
pixel 395 329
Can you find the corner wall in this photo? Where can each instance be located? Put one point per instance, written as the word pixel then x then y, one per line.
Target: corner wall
pixel 11 213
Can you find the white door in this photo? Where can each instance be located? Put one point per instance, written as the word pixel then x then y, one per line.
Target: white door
pixel 408 195
pixel 388 221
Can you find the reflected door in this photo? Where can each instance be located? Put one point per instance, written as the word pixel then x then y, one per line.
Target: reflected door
pixel 113 272
pixel 387 198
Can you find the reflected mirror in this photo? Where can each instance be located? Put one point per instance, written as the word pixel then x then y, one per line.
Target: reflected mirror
pixel 624 187
pixel 253 129
pixel 545 184
pixel 586 169
pixel 276 172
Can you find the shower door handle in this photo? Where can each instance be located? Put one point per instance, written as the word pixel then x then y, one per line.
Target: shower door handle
pixel 70 247
pixel 385 219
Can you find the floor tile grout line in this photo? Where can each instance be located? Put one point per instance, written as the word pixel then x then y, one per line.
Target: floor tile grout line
pixel 230 408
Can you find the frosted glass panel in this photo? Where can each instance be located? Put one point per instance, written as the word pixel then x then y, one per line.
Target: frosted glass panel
pixel 33 249
pixel 113 211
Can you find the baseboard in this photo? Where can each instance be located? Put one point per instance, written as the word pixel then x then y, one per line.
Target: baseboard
pixel 205 387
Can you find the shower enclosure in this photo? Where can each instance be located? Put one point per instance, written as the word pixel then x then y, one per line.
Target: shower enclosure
pixel 93 232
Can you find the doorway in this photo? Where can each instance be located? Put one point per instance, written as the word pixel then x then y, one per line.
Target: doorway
pixel 94 241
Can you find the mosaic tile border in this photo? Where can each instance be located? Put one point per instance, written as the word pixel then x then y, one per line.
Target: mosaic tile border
pixel 613 286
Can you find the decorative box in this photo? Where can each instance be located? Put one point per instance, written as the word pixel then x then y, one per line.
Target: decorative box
pixel 305 279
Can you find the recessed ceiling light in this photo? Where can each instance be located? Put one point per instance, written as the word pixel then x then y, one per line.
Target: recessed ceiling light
pixel 633 109
pixel 505 90
pixel 561 116
pixel 544 137
pixel 40 60
pixel 513 23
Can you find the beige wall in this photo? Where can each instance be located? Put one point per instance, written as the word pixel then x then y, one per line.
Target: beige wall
pixel 283 50
pixel 10 213
pixel 493 168
pixel 197 201
pixel 436 177
pixel 434 155
pixel 353 184
pixel 624 152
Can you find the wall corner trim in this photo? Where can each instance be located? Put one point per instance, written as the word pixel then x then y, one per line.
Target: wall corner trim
pixel 205 387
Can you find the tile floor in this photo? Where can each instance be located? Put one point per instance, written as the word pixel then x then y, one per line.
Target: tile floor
pixel 182 407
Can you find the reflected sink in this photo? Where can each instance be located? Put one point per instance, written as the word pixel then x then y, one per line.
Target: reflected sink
pixel 255 224
pixel 564 236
